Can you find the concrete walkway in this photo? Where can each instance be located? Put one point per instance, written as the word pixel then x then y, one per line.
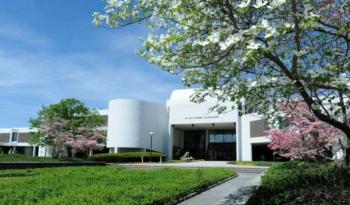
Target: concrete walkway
pixel 236 191
pixel 199 164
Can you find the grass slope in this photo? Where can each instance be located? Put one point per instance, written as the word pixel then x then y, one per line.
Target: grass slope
pixel 103 185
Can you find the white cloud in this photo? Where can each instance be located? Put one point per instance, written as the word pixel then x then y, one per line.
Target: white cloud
pixel 30 78
pixel 87 76
pixel 126 41
pixel 22 34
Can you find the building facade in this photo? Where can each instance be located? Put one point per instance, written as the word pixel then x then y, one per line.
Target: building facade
pixel 17 140
pixel 212 136
pixel 178 124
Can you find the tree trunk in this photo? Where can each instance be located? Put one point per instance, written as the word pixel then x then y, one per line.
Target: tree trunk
pixel 91 152
pixel 345 150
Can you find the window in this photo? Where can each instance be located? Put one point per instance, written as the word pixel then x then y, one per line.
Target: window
pixel 257 128
pixel 14 136
pixel 229 137
pixel 222 136
pixel 219 137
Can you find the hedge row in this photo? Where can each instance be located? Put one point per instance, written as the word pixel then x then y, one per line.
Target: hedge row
pixel 287 181
pixel 127 157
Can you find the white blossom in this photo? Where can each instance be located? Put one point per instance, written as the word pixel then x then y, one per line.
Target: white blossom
pixel 214 37
pixel 277 3
pixel 245 48
pixel 232 39
pixel 244 4
pixel 253 45
pixel 260 3
pixel 175 4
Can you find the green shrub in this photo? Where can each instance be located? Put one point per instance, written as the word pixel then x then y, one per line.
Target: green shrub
pixel 27 158
pixel 127 157
pixel 285 181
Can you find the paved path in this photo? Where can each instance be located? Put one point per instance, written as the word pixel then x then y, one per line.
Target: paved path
pixel 199 164
pixel 233 192
pixel 236 191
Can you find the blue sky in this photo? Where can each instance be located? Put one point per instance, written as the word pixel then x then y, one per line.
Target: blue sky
pixel 49 50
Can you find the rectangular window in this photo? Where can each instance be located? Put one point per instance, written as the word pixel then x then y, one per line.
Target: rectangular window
pixel 14 136
pixel 211 138
pixel 257 128
pixel 219 137
pixel 228 137
pixel 222 136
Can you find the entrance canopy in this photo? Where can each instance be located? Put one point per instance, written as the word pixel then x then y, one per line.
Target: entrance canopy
pixel 204 126
pixel 208 141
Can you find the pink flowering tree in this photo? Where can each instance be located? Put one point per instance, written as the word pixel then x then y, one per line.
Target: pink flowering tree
pixel 68 124
pixel 55 133
pixel 87 142
pixel 303 136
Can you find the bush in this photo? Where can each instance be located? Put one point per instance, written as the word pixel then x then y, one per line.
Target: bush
pixel 178 152
pixel 289 180
pixel 27 158
pixel 127 157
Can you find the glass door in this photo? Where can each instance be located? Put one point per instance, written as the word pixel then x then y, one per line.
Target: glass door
pixel 222 145
pixel 194 143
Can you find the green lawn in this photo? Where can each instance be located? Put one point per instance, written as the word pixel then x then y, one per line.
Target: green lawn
pixel 26 158
pixel 103 185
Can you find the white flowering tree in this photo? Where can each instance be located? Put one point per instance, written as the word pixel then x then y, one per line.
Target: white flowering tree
pixel 257 50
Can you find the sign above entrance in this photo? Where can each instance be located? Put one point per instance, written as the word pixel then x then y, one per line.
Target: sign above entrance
pixel 205 117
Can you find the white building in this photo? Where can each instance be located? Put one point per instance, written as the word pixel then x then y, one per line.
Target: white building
pixel 178 123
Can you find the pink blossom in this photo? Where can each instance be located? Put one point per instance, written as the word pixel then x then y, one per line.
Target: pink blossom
pixel 62 135
pixel 305 137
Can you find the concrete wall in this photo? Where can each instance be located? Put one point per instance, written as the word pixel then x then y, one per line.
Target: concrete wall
pixel 130 121
pixel 249 138
pixel 183 111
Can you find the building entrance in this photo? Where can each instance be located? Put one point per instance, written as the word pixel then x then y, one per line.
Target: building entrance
pixel 217 145
pixel 194 143
pixel 222 145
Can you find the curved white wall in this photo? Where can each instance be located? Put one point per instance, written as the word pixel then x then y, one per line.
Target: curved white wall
pixel 130 121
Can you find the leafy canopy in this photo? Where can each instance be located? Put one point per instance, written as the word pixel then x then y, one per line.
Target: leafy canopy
pixel 261 51
pixel 68 123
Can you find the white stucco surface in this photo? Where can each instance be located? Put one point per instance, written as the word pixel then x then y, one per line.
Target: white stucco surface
pixel 131 121
pixel 183 111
